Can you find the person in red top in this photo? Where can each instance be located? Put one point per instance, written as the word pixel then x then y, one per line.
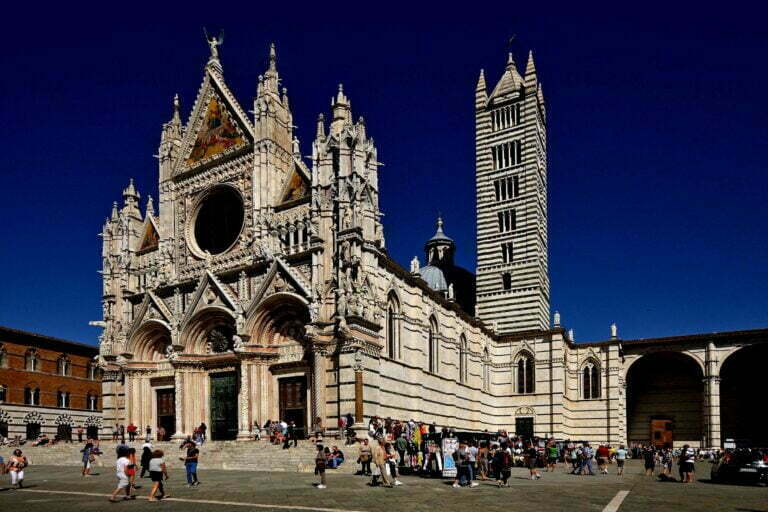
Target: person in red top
pixel 603 452
pixel 131 432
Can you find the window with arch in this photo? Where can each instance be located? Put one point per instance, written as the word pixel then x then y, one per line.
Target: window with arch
pixel 432 343
pixel 590 380
pixel 31 361
pixel 486 370
pixel 64 365
pixel 525 378
pixel 93 371
pixel 62 399
pixel 32 395
pixel 393 327
pixel 91 401
pixel 3 393
pixel 463 359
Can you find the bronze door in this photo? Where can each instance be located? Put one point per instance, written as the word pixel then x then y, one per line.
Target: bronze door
pixel 166 411
pixel 224 405
pixel 293 402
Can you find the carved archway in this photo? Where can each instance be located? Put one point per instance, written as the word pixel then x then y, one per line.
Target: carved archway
pixel 280 319
pixel 206 330
pixel 150 341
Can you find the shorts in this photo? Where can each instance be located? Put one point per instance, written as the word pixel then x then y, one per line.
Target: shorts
pixel 620 463
pixel 602 461
pixel 650 465
pixel 156 476
pixel 122 483
pixel 686 467
pixel 552 460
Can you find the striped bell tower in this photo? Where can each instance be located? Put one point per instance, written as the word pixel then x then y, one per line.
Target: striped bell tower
pixel 511 188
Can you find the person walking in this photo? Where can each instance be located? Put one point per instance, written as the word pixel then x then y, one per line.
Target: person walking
pixel 553 453
pixel 88 458
pixel 131 471
pixel 289 433
pixel 158 472
pixel 621 457
pixel 401 445
pixel 16 465
pixel 204 431
pixel 379 457
pixel 603 452
pixel 131 432
pixel 649 458
pixel 687 463
pixel 532 458
pixel 364 457
pixel 148 432
pixel 146 456
pixel 502 462
pixel 482 460
pixel 80 434
pixel 587 454
pixel 320 463
pixel 123 482
pixel 190 464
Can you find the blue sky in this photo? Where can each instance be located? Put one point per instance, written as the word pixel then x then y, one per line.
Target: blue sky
pixel 657 137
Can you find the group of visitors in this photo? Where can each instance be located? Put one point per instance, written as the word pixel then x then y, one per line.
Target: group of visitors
pixel 664 458
pixel 161 434
pixel 281 432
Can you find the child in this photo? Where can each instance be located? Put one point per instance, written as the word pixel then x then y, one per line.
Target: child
pixel 320 463
pixel 123 482
pixel 157 471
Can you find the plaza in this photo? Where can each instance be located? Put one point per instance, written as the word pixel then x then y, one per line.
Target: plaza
pixel 63 489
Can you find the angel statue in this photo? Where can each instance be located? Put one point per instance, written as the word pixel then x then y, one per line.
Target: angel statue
pixel 214 43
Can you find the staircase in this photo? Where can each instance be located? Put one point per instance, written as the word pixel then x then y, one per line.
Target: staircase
pixel 227 455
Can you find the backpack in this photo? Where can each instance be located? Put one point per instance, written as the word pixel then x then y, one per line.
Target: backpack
pixel 506 460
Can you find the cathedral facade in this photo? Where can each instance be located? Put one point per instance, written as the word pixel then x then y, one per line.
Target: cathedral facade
pixel 260 286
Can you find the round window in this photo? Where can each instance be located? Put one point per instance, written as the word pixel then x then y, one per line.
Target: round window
pixel 219 220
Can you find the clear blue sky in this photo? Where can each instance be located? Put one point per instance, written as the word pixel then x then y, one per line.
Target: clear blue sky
pixel 657 136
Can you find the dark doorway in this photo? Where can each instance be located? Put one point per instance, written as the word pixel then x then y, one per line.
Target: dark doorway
pixel 741 378
pixel 293 402
pixel 64 432
pixel 166 411
pixel 666 386
pixel 223 406
pixel 3 429
pixel 33 431
pixel 524 427
pixel 92 432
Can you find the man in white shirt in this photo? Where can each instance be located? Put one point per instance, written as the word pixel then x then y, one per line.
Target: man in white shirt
pixel 123 482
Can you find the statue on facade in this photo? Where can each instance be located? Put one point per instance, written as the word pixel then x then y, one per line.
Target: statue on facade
pixel 214 43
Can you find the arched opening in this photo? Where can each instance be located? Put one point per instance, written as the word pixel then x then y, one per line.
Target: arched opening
pixel 740 379
pixel 432 362
pixel 33 431
pixel 665 399
pixel 486 370
pixel 525 374
pixel 149 343
pixel 3 429
pixel 590 380
pixel 463 359
pixel 393 328
pixel 31 361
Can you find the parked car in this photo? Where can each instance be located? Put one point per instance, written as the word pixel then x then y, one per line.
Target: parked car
pixel 740 467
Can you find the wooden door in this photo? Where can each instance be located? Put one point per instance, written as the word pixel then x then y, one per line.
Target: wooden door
pixel 293 402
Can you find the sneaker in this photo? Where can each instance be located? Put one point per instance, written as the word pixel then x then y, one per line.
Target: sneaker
pixel 455 485
pixel 398 482
pixel 196 483
pixel 320 486
pixel 474 484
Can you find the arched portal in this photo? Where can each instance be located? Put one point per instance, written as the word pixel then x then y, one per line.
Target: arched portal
pixel 665 400
pixel 741 380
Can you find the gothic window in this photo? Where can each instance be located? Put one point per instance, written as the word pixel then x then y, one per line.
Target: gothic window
pixel 506 252
pixel 590 380
pixel 507 220
pixel 3 393
pixel 64 365
pixel 432 342
pixel 486 370
pixel 506 188
pixel 506 280
pixel 506 154
pixel 32 395
pixel 525 374
pixel 32 361
pixel 463 359
pixel 393 330
pixel 91 401
pixel 505 117
pixel 63 399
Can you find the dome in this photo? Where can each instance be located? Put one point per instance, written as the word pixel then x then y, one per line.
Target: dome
pixel 434 277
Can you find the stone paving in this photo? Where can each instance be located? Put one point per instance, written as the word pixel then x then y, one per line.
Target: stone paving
pixel 63 489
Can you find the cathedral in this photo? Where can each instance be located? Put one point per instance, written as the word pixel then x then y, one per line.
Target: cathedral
pixel 259 287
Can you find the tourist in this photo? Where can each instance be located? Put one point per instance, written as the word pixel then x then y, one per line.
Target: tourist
pixel 392 463
pixel 204 431
pixel 160 433
pixel 532 459
pixel 364 458
pixel 401 445
pixel 146 456
pixel 379 457
pixel 587 454
pixel 666 462
pixel 115 432
pixel 157 472
pixel 16 465
pixel 131 432
pixel 80 434
pixel 482 460
pixel 288 433
pixel 687 464
pixel 472 459
pixel 553 453
pixel 148 432
pixel 621 457
pixel 121 432
pixel 88 458
pixel 317 429
pixel 190 463
pixel 121 447
pixel 502 465
pixel 123 482
pixel 649 458
pixel 337 455
pixel 256 431
pixel 131 470
pixel 320 462
pixel 603 452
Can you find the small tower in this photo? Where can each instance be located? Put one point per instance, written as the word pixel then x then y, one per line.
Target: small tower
pixel 511 187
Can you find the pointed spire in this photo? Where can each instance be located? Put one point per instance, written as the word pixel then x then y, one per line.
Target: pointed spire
pixel 114 210
pixel 342 111
pixel 295 147
pixel 176 119
pixel 320 126
pixel 272 58
pixel 284 99
pixel 340 98
pixel 129 193
pixel 481 82
pixel 530 71
pixel 150 206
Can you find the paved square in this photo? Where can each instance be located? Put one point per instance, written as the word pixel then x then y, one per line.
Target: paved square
pixel 63 489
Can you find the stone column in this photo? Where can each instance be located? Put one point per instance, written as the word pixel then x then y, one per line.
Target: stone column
pixel 318 385
pixel 179 383
pixel 712 410
pixel 359 411
pixel 244 402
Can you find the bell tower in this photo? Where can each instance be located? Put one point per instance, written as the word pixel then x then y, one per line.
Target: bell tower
pixel 511 187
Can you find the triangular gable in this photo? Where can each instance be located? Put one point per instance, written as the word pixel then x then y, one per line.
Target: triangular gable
pixel 210 292
pixel 280 278
pixel 296 187
pixel 150 239
pixel 152 308
pixel 216 126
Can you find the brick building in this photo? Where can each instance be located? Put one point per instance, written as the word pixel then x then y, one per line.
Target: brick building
pixel 47 385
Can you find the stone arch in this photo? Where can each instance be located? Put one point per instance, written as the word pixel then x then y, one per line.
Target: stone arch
pixel 524 372
pixel 665 399
pixel 5 417
pixel 741 377
pixel 65 419
pixel 34 417
pixel 590 378
pixel 150 341
pixel 280 318
pixel 393 325
pixel 92 421
pixel 433 344
pixel 693 357
pixel 194 335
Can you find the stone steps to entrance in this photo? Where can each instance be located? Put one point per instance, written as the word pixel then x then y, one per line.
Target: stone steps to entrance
pixel 228 455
